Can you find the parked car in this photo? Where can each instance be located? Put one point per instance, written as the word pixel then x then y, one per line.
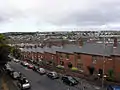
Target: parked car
pixel 23 83
pixel 24 63
pixel 30 66
pixel 53 75
pixel 15 75
pixel 69 80
pixel 41 71
pixel 110 87
pixel 7 67
pixel 35 68
pixel 16 60
pixel 9 70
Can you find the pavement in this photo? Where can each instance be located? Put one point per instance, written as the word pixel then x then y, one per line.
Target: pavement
pixel 42 82
pixel 10 84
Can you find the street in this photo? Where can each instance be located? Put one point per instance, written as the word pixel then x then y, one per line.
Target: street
pixel 42 82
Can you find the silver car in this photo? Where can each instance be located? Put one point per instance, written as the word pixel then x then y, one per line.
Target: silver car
pixel 23 83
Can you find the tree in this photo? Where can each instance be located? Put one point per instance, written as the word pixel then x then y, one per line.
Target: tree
pixel 111 74
pixel 16 52
pixel 4 51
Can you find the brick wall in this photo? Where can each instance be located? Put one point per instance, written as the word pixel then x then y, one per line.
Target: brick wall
pixel 117 67
pixel 112 62
pixel 70 58
pixel 86 60
pixel 50 57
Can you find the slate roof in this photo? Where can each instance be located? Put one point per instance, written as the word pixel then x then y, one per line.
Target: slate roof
pixel 68 48
pixel 39 49
pixel 87 48
pixel 92 48
pixel 96 49
pixel 53 49
pixel 26 49
pixel 116 51
pixel 50 50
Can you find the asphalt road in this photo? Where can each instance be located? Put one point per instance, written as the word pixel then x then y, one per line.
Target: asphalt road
pixel 42 82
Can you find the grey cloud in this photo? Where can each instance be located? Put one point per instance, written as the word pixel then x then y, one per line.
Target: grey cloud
pixel 105 13
pixel 3 18
pixel 6 16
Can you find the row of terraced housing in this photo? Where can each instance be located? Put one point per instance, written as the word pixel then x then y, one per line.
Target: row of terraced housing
pixel 80 56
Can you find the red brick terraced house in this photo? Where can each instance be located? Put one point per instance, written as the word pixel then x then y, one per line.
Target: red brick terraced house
pixel 94 55
pixel 66 57
pixel 97 55
pixel 38 53
pixel 34 53
pixel 50 55
pixel 26 52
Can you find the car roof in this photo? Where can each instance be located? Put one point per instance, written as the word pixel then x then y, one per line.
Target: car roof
pixel 42 68
pixel 23 78
pixel 15 72
pixel 116 87
pixel 53 72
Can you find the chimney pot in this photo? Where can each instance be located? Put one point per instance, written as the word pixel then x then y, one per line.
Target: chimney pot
pixel 115 43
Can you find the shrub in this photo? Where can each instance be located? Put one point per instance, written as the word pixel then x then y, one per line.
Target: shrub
pixel 74 69
pixel 60 66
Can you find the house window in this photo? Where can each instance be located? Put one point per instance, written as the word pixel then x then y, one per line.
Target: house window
pixel 67 56
pixel 62 63
pixel 50 62
pixel 94 59
pixel 79 60
pixel 70 65
pixel 60 56
pixel 52 57
pixel 78 56
pixel 80 65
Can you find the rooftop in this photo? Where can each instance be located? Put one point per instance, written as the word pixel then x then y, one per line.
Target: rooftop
pixel 87 48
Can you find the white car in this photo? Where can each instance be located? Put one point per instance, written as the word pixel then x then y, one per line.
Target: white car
pixel 16 60
pixel 41 71
pixel 23 83
pixel 15 75
pixel 24 64
pixel 53 75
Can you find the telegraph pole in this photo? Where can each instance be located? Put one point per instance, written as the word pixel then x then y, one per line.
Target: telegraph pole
pixel 103 66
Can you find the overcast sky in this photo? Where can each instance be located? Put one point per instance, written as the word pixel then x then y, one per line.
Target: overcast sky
pixel 58 15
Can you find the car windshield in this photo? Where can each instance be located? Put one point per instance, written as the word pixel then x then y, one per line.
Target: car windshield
pixel 54 73
pixel 30 65
pixel 72 79
pixel 41 69
pixel 16 74
pixel 24 81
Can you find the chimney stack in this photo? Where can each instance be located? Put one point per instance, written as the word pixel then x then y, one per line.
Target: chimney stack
pixel 115 43
pixel 50 44
pixel 80 42
pixel 62 43
pixel 35 46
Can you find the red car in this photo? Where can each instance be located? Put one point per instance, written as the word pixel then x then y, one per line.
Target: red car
pixel 30 66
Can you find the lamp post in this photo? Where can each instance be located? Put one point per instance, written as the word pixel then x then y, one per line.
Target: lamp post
pixel 103 66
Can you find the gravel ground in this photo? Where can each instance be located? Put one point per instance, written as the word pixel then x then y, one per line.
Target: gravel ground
pixel 10 84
